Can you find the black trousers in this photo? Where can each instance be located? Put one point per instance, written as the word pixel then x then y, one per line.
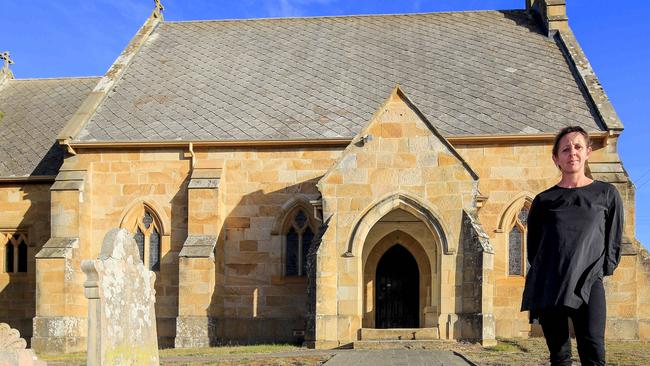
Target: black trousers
pixel 588 324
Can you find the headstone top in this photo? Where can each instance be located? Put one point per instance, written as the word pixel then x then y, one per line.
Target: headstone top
pixel 121 311
pixel 116 246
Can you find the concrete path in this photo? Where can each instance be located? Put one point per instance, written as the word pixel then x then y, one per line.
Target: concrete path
pixel 396 357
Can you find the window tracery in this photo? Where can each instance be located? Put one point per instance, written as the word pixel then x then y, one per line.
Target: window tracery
pixel 299 235
pixel 517 244
pixel 15 252
pixel 146 233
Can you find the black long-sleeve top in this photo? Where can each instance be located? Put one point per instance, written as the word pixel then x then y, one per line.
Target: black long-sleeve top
pixel 574 238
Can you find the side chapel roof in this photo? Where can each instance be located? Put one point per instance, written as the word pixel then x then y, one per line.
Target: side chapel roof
pixel 32 112
pixel 470 73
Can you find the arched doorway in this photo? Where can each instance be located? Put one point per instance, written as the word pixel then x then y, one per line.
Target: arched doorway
pixel 397 292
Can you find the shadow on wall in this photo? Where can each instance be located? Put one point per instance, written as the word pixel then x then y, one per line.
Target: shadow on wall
pixel 255 301
pixel 18 289
pixel 469 266
pixel 167 282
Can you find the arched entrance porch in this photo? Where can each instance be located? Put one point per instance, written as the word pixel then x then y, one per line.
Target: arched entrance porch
pixel 400 251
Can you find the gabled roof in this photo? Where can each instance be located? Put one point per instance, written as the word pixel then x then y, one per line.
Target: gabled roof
pixel 471 73
pixel 32 111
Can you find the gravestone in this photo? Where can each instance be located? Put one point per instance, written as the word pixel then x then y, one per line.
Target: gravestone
pixel 13 349
pixel 121 295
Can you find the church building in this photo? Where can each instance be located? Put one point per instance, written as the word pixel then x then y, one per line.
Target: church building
pixel 326 180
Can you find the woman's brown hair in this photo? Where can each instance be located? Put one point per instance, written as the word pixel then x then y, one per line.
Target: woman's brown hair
pixel 568 130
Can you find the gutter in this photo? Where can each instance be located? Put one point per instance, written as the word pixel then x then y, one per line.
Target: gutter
pixel 336 142
pixel 28 179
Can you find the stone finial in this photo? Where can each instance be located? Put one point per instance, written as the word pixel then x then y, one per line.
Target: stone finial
pixel 7 60
pixel 10 338
pixel 158 10
pixel 5 72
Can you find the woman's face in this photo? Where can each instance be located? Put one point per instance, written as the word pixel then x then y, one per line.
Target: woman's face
pixel 572 153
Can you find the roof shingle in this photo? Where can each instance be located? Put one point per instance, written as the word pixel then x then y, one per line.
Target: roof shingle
pixel 488 72
pixel 32 112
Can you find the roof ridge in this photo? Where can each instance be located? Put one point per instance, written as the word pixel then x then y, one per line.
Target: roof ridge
pixel 58 78
pixel 339 16
pixel 106 83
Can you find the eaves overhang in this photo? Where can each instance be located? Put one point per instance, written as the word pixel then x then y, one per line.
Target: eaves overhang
pixel 335 142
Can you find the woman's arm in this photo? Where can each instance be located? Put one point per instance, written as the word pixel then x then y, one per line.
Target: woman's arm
pixel 613 232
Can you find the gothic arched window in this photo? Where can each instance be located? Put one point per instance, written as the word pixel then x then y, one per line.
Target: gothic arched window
pixel 298 237
pixel 147 236
pixel 517 245
pixel 15 252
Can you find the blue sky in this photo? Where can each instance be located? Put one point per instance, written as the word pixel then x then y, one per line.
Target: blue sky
pixel 83 37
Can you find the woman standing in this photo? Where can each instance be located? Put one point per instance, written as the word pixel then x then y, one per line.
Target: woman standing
pixel 574 236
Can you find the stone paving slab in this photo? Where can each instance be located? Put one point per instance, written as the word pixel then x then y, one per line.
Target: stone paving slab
pixel 397 357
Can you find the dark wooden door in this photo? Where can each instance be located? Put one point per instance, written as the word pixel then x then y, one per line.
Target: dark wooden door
pixel 396 293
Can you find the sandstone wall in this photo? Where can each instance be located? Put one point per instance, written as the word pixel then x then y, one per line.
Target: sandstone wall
pixel 397 161
pixel 511 173
pixel 123 181
pixel 257 189
pixel 23 208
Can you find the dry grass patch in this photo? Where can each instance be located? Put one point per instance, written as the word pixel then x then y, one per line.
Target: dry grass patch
pixel 228 350
pixel 72 359
pixel 507 352
pixel 315 360
pixel 533 352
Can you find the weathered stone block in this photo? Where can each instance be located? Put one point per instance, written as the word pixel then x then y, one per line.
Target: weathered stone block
pixel 195 331
pixel 59 334
pixel 622 329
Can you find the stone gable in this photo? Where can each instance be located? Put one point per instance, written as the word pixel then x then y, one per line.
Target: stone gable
pixel 399 163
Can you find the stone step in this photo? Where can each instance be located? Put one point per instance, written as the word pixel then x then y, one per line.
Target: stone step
pixel 396 344
pixel 370 334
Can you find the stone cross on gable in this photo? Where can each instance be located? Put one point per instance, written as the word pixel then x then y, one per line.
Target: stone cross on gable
pixel 7 60
pixel 158 9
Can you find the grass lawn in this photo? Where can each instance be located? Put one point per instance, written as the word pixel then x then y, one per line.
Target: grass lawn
pixel 508 352
pixel 533 352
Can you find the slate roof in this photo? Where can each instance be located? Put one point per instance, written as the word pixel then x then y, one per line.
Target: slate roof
pixel 486 72
pixel 32 112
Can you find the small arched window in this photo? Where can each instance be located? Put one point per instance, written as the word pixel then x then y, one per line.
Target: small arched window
pixel 22 257
pixel 298 238
pixel 147 236
pixel 15 252
pixel 517 245
pixel 9 257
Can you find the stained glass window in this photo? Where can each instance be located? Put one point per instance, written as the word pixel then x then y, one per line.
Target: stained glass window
pixel 147 219
pixel 517 245
pixel 147 237
pixel 523 216
pixel 154 252
pixel 301 219
pixel 292 253
pixel 139 239
pixel 298 240
pixel 307 237
pixel 514 251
